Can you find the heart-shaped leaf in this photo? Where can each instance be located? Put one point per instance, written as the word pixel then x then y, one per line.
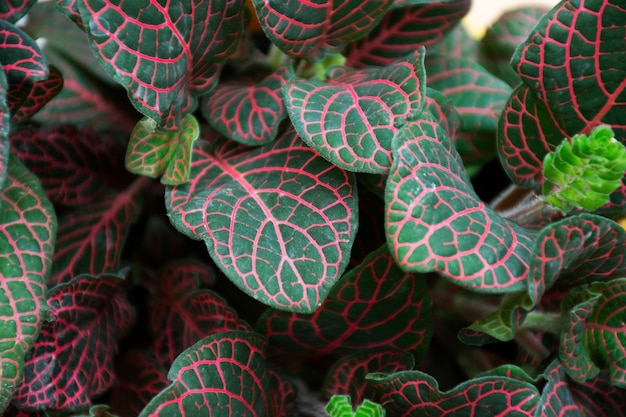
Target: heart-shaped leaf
pixel 27 237
pixel 154 152
pixel 412 393
pixel 75 166
pixel 435 220
pixel 575 251
pixel 277 219
pixel 92 237
pixel 347 376
pixel 404 29
pixel 37 94
pixel 13 10
pixel 140 377
pixel 72 361
pixel 356 315
pixel 163 66
pixel 223 375
pixel 182 313
pixel 313 30
pixel 597 397
pixel 352 118
pixel 249 113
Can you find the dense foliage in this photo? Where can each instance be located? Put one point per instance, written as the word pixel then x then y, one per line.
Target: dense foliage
pixel 260 209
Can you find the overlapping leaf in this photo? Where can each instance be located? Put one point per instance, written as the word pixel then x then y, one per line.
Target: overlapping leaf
pixel 140 377
pixel 27 237
pixel 597 397
pixel 91 238
pixel 277 219
pixel 574 251
pixel 411 393
pixel 283 392
pixel 153 152
pixel 435 221
pixel 404 29
pixel 503 323
pixel 313 30
pixel 352 118
pixel 164 55
pixel 374 305
pixel 37 94
pixel 572 67
pixel 72 361
pixel 182 313
pixel 347 376
pixel 221 375
pixel 249 113
pixel 13 10
pixel 75 166
pixel 556 398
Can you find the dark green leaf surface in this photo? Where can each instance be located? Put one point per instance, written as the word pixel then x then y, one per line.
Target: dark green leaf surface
pixel 27 237
pixel 404 29
pixel 414 393
pixel 164 55
pixel 277 219
pixel 598 398
pixel 13 10
pixel 352 118
pixel 374 305
pixel 556 398
pixel 249 113
pixel 436 222
pixel 313 30
pixel 224 375
pixel 37 94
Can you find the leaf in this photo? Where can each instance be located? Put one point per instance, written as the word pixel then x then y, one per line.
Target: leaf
pixel 283 392
pixel 457 43
pixel 154 152
pixel 37 94
pixel 91 238
pixel 278 220
pixel 556 398
pixel 313 30
pixel 27 237
pixel 352 118
pixel 597 397
pixel 140 378
pixel 436 222
pixel 246 112
pixel 575 251
pixel 75 166
pixel 221 375
pixel 72 361
pixel 356 315
pixel 347 376
pixel 604 335
pixel 412 393
pixel 404 29
pixel 13 10
pixel 503 323
pixel 182 313
pixel 571 61
pixel 163 66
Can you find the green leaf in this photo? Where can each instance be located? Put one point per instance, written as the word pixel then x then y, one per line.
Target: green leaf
pixel 585 172
pixel 154 152
pixel 339 406
pixel 503 323
pixel 556 398
pixel 223 375
pixel 27 236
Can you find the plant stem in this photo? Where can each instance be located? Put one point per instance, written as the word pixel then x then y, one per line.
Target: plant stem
pixel 544 322
pixel 523 207
pixel 532 344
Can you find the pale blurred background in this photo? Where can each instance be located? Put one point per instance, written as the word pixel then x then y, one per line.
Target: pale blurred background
pixel 484 12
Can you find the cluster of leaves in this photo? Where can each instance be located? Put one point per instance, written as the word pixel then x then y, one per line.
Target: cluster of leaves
pixel 347 247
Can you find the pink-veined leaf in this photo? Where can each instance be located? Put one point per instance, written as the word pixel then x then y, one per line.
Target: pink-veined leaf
pixel 140 377
pixel 37 94
pixel 347 376
pixel 246 112
pixel 598 398
pixel 223 375
pixel 75 166
pixel 352 118
pixel 443 111
pixel 91 238
pixel 164 55
pixel 13 10
pixel 167 154
pixel 182 313
pixel 436 222
pixel 5 127
pixel 277 219
pixel 313 30
pixel 412 393
pixel 27 237
pixel 72 361
pixel 356 315
pixel 283 391
pixel 457 43
pixel 404 29
pixel 556 398
pixel 575 251
pixel 502 324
